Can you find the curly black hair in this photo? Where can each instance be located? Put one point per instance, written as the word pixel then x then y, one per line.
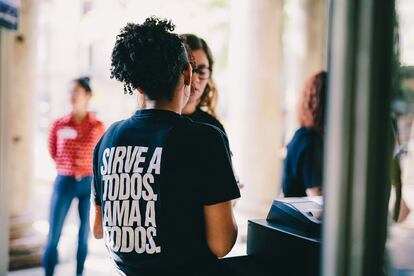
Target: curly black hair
pixel 150 57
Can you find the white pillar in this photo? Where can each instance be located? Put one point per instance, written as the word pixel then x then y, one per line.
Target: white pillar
pixel 316 28
pixel 255 105
pixel 19 137
pixel 20 99
pixel 5 38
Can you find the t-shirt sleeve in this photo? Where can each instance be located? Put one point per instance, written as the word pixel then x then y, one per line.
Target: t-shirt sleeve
pixel 52 140
pixel 311 165
pixel 100 129
pixel 95 196
pixel 218 181
pixel 220 126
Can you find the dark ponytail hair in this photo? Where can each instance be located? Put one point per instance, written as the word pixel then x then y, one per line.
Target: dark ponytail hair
pixel 84 82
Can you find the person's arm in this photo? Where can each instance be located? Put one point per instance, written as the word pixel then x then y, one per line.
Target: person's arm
pixel 219 187
pixel 96 221
pixel 100 131
pixel 221 228
pixel 95 217
pixel 53 141
pixel 315 191
pixel 312 168
pixel 404 211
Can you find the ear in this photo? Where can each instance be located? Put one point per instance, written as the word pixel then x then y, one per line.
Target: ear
pixel 188 73
pixel 139 90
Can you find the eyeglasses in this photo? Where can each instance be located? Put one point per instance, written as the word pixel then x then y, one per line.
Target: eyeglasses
pixel 203 72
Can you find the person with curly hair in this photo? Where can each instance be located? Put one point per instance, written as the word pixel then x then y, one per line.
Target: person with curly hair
pixel 161 200
pixel 203 89
pixel 71 142
pixel 302 171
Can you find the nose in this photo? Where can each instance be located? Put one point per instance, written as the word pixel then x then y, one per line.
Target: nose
pixel 196 77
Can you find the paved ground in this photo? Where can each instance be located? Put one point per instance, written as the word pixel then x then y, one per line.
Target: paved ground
pixel 97 262
pixel 400 243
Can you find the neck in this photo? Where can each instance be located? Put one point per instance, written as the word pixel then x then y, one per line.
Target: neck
pixel 163 105
pixel 79 115
pixel 190 107
pixel 175 104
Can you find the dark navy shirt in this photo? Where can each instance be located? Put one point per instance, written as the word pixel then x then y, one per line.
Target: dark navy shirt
pixel 153 174
pixel 303 164
pixel 204 117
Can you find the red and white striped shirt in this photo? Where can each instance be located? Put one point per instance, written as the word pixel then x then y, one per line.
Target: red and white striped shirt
pixel 71 145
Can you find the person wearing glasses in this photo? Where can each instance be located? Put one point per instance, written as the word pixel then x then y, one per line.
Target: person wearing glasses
pixel 203 89
pixel 161 199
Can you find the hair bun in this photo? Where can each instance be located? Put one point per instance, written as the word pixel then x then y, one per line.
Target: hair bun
pixel 159 23
pixel 149 56
pixel 84 82
pixel 86 79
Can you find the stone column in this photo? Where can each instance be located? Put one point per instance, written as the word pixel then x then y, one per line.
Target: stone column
pixel 25 246
pixel 255 105
pixel 4 197
pixel 315 32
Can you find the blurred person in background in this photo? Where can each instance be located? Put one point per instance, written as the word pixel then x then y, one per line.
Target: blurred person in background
pixel 302 167
pixel 71 142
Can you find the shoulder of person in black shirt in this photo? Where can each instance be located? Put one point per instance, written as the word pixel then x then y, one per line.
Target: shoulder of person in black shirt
pixel 205 117
pixel 195 170
pixel 302 168
pixel 185 137
pixel 211 145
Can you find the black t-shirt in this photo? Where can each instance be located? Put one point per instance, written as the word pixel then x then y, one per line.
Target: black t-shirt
pixel 303 164
pixel 153 173
pixel 204 117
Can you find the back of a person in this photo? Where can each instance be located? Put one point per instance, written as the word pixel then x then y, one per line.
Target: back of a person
pixel 163 185
pixel 302 170
pixel 152 203
pixel 204 117
pixel 303 163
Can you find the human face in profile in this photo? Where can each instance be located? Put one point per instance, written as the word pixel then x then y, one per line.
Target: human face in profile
pixel 201 75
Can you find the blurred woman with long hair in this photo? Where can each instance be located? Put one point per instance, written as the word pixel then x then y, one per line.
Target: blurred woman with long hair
pixel 302 172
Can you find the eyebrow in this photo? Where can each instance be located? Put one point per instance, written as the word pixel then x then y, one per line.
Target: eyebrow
pixel 202 66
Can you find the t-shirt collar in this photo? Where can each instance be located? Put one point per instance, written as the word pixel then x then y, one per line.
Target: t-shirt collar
pixel 144 113
pixel 90 118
